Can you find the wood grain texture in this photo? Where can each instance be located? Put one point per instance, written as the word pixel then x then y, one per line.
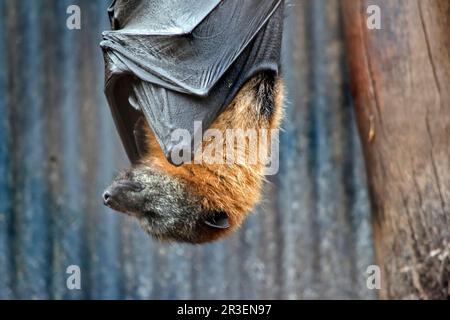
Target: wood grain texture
pixel 400 76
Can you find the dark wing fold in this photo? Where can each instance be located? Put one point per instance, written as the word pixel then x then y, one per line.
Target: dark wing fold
pixel 188 58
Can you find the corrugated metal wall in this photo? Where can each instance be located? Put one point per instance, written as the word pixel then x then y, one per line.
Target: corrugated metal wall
pixel 310 238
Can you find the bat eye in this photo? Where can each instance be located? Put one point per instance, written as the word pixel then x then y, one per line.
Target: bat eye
pixel 218 220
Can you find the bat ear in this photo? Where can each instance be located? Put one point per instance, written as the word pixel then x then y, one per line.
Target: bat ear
pixel 217 220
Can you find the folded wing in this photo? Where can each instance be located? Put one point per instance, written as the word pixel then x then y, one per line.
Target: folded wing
pixel 186 59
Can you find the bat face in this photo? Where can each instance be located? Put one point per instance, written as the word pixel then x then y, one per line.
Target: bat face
pixel 164 206
pixel 203 200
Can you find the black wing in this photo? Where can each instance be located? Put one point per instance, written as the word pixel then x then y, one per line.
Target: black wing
pixel 186 59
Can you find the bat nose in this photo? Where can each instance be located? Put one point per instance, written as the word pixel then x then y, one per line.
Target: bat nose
pixel 118 190
pixel 106 197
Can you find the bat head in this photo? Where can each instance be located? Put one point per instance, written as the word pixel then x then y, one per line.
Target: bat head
pixel 204 200
pixel 164 206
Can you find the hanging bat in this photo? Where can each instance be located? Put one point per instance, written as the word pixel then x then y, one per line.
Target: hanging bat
pixel 171 64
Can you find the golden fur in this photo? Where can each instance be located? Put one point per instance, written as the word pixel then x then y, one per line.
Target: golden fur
pixel 232 188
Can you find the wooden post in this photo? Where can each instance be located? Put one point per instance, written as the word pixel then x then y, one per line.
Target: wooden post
pixel 401 87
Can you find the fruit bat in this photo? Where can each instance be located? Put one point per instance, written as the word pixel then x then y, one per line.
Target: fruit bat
pixel 169 64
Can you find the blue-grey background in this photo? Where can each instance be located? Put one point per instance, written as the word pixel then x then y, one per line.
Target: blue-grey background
pixel 310 238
